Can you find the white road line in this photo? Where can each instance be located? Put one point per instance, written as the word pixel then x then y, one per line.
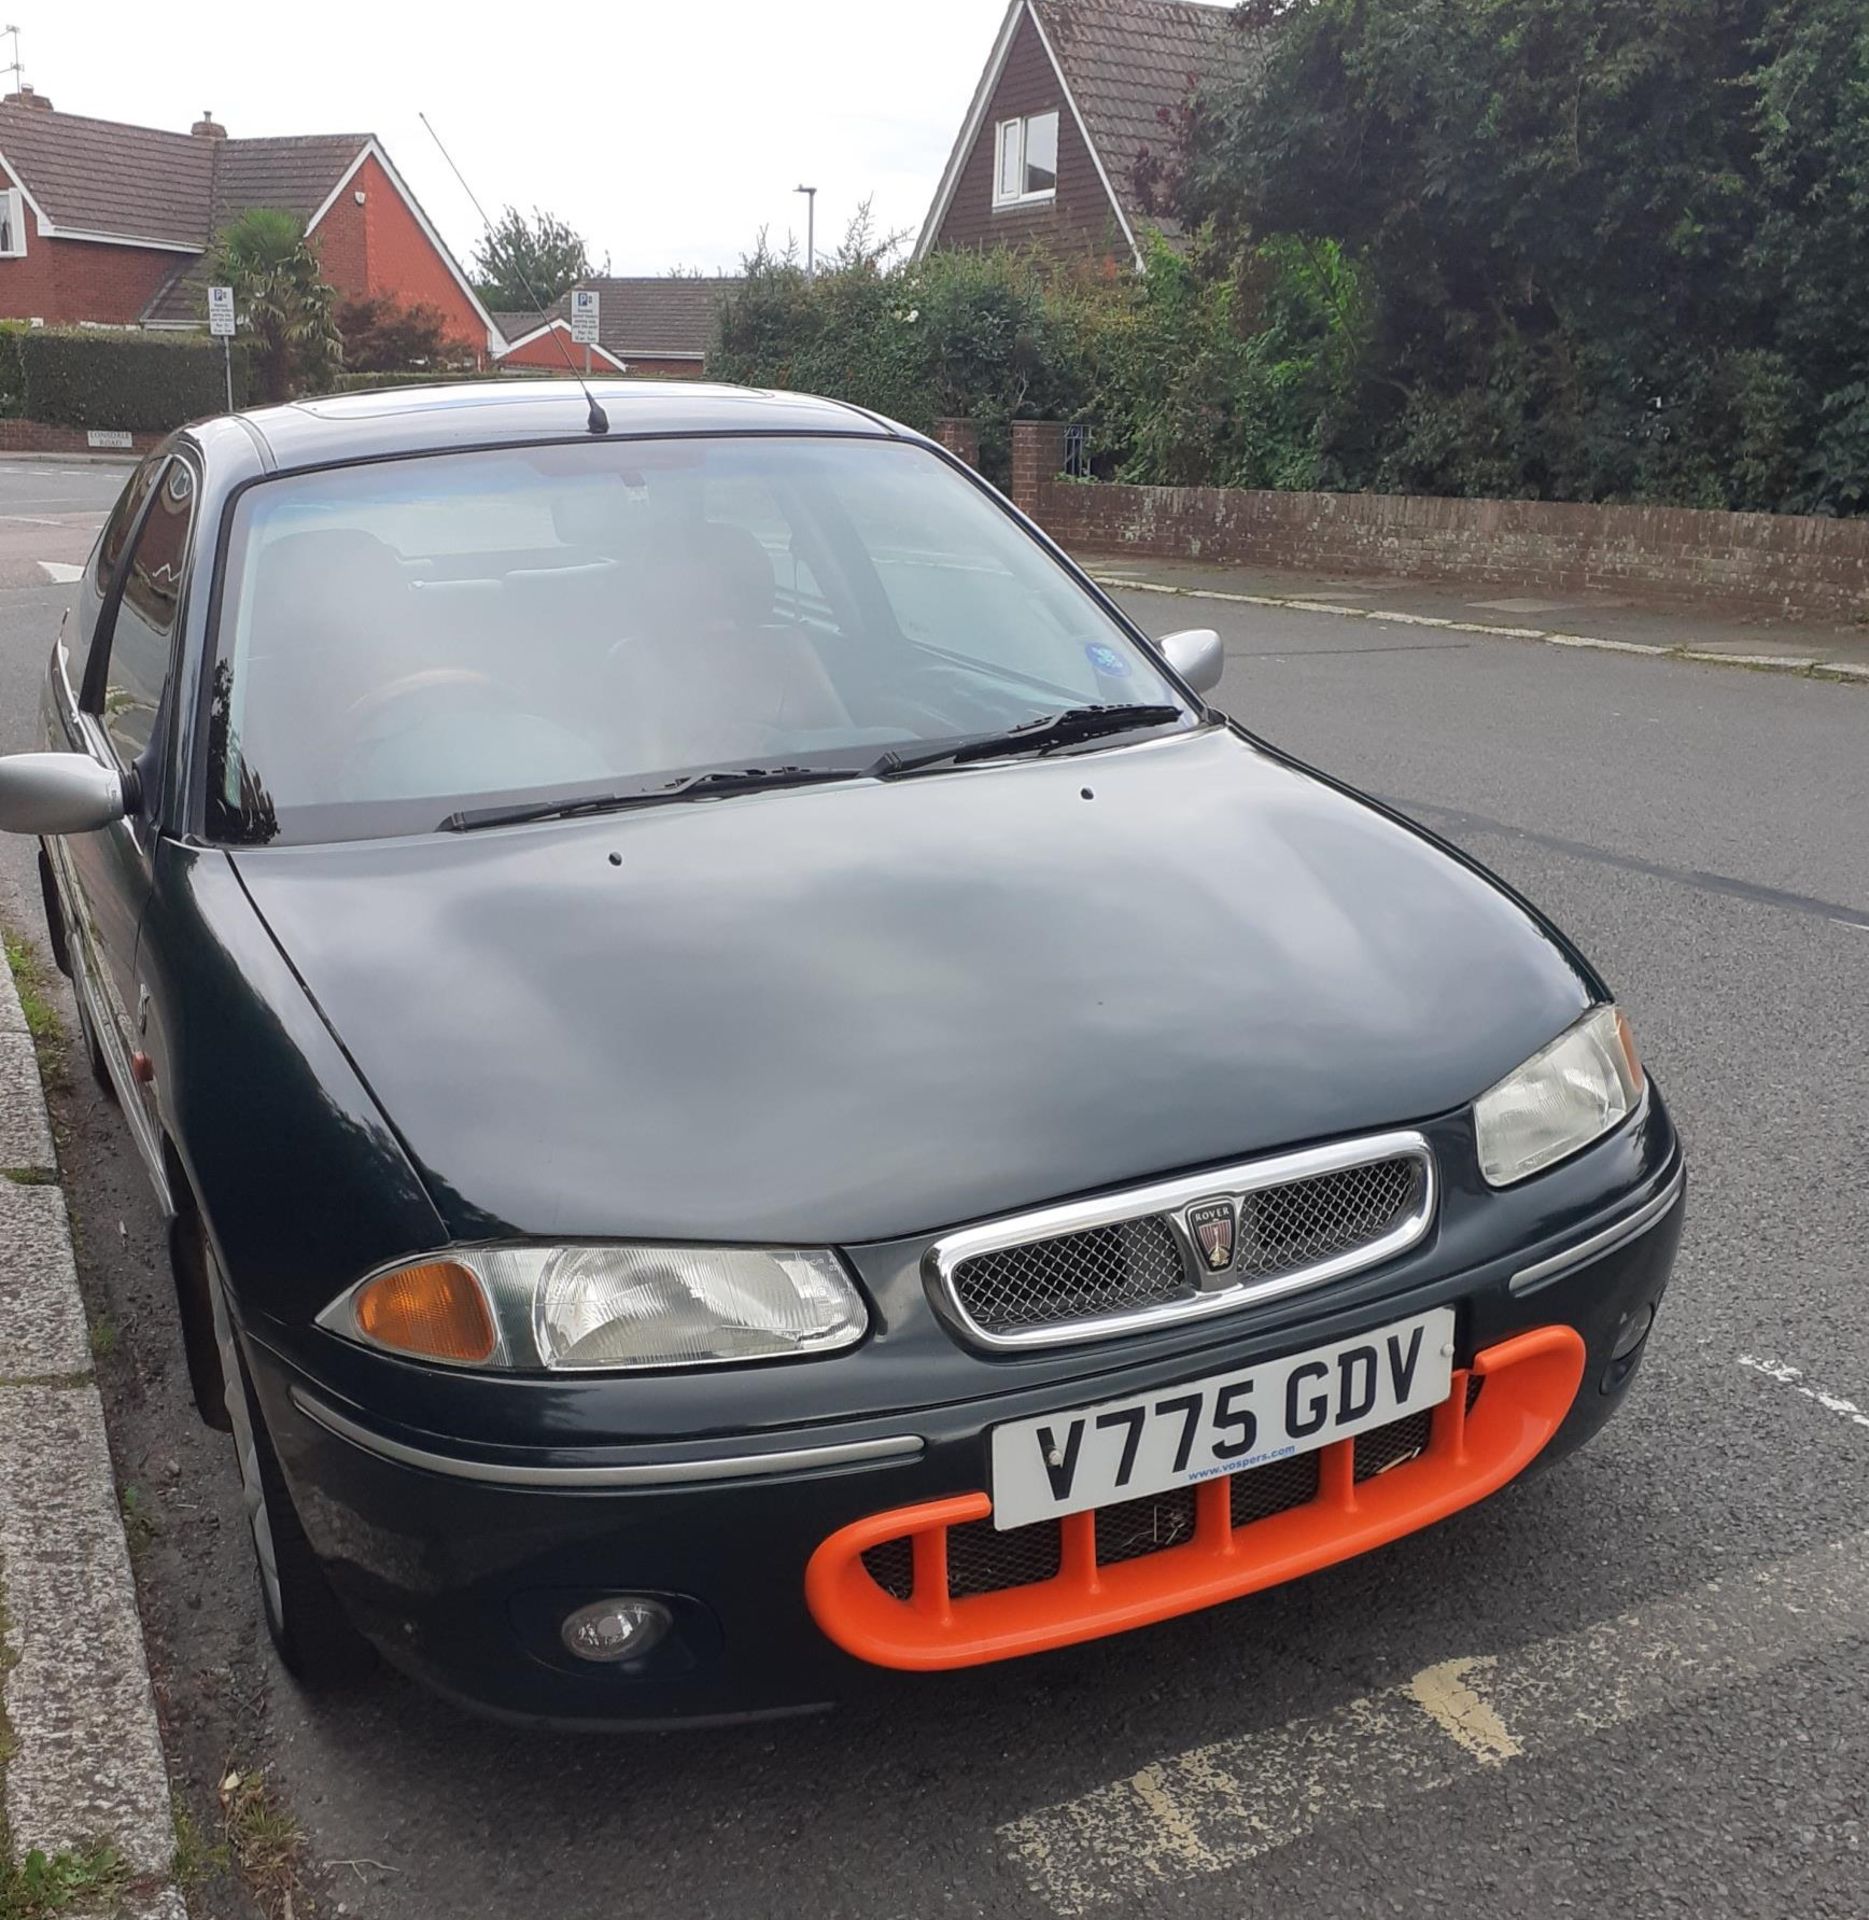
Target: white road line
pixel 1445 1695
pixel 1221 1806
pixel 1793 1377
pixel 61 571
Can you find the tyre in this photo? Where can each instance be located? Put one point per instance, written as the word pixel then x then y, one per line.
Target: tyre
pixel 313 1635
pixel 93 1050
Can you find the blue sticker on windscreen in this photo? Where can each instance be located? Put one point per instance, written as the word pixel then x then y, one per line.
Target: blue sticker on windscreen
pixel 1107 661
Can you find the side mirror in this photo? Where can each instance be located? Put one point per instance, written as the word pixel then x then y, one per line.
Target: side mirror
pixel 58 793
pixel 1197 656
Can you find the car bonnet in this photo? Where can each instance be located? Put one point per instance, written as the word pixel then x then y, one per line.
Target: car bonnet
pixel 851 1013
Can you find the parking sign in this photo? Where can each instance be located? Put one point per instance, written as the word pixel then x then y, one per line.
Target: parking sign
pixel 584 317
pixel 220 311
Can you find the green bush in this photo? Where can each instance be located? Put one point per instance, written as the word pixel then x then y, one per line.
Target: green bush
pixel 1211 369
pixel 988 337
pixel 93 377
pixel 12 375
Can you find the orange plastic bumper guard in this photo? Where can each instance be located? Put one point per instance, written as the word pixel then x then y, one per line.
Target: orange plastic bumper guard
pixel 1532 1381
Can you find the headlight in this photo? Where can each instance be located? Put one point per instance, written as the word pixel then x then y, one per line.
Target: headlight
pixel 604 1308
pixel 1583 1084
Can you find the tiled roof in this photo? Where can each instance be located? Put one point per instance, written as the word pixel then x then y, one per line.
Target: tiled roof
pixel 101 176
pixel 1126 61
pixel 295 174
pixel 291 173
pixel 142 183
pixel 671 317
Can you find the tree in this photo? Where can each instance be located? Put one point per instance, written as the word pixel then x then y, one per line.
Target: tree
pixel 526 260
pixel 381 335
pixel 281 296
pixel 1616 246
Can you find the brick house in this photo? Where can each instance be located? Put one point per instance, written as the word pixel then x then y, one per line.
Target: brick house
pixel 1073 93
pixel 108 224
pixel 659 326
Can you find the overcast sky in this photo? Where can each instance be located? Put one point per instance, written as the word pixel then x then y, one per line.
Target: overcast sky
pixel 668 132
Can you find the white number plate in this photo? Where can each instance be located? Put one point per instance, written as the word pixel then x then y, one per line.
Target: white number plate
pixel 1069 1462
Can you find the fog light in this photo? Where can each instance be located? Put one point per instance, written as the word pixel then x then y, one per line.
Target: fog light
pixel 1634 1332
pixel 609 1631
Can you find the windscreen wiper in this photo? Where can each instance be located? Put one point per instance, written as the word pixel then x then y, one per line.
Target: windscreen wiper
pixel 1055 730
pixel 695 786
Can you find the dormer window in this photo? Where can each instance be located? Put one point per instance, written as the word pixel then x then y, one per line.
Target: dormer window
pixel 12 224
pixel 1027 169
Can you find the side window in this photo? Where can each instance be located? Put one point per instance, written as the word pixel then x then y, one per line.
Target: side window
pixel 105 556
pixel 116 535
pixel 144 631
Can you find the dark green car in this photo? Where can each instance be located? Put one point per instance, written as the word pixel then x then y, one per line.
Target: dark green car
pixel 752 1090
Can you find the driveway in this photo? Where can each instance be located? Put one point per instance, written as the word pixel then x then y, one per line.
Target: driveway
pixel 1635 1682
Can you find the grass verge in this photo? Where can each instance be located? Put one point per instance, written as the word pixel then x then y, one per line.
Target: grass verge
pixel 266 1842
pixel 30 978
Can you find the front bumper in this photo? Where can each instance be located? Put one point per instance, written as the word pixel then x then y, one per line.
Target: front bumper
pixel 462 1573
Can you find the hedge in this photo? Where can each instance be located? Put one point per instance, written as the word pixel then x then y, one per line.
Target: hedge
pixel 93 377
pixel 441 377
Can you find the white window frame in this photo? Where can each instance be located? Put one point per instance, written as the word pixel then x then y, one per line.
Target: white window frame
pixel 1018 128
pixel 16 221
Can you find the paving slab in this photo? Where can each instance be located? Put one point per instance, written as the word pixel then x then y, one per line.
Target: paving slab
pixel 87 1762
pixel 25 1136
pixel 83 1762
pixel 42 1329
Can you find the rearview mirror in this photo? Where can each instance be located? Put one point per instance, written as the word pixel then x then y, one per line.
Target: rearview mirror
pixel 58 793
pixel 1197 656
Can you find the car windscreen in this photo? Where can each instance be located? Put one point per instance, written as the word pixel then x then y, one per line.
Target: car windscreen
pixel 404 640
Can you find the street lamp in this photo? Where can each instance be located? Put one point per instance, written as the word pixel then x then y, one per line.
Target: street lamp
pixel 811 230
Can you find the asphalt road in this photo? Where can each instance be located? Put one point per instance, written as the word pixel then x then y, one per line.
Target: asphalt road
pixel 1638 1682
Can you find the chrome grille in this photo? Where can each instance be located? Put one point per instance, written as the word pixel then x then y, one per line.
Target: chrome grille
pixel 1303 1222
pixel 1012 1284
pixel 1117 1269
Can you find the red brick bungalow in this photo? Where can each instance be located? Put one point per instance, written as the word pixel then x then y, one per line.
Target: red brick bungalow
pixel 658 326
pixel 107 224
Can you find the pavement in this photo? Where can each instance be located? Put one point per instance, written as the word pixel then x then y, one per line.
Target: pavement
pixel 1636 1682
pixel 81 1764
pixel 1703 631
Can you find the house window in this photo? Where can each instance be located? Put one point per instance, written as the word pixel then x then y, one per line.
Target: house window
pixel 12 224
pixel 1027 161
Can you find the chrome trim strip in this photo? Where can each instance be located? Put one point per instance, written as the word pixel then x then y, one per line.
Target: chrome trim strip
pixel 671 1473
pixel 1166 1196
pixel 1530 1279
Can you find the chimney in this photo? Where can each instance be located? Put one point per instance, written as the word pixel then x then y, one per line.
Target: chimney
pixel 207 127
pixel 25 97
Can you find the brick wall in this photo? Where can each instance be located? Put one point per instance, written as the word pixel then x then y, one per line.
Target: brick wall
pixel 961 438
pixel 1758 563
pixel 29 436
pixel 64 281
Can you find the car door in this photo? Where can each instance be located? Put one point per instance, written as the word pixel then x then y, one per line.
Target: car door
pixel 122 715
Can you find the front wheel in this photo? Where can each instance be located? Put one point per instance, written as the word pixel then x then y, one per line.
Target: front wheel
pixel 314 1637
